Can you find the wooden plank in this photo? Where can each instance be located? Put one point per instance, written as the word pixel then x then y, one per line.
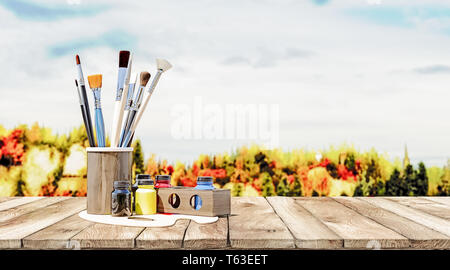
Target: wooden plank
pixel 4 199
pixel 420 236
pixel 27 205
pixel 430 221
pixel 356 230
pixel 254 224
pixel 14 230
pixel 7 204
pixel 430 207
pixel 443 200
pixel 309 232
pixel 106 236
pixel 58 235
pixel 163 238
pixel 207 236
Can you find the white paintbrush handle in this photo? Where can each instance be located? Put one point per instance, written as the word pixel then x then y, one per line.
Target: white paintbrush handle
pixel 140 112
pixel 115 128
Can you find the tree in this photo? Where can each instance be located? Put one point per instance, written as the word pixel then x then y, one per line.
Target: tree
pixel 138 158
pixel 410 179
pixel 422 180
pixel 268 189
pixel 283 187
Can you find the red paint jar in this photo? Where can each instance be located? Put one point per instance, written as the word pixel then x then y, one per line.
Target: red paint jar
pixel 162 181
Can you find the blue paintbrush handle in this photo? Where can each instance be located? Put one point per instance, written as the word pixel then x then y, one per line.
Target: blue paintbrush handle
pixel 100 127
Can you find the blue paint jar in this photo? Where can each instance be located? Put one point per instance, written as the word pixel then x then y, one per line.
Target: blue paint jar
pixel 203 183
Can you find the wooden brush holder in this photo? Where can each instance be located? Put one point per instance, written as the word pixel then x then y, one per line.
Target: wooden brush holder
pixel 179 200
pixel 104 166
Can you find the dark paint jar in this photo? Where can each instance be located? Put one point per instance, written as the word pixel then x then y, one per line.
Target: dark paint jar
pixel 121 199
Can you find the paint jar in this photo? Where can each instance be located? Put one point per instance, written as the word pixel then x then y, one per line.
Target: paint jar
pixel 162 181
pixel 145 197
pixel 203 183
pixel 121 199
pixel 104 166
pixel 134 187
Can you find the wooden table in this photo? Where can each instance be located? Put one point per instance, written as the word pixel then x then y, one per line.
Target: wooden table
pixel 255 223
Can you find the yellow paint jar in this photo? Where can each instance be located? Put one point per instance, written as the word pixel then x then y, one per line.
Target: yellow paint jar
pixel 145 197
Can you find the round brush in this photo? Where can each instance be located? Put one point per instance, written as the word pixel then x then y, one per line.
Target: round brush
pixel 125 61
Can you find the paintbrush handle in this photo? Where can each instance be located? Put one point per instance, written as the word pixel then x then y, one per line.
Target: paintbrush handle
pixel 86 125
pixel 127 133
pixel 89 127
pixel 126 124
pixel 100 127
pixel 117 121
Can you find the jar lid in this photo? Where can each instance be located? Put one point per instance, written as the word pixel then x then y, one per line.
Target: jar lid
pixel 143 176
pixel 204 179
pixel 121 184
pixel 164 177
pixel 144 182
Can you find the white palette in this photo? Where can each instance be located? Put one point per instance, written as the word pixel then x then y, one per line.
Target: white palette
pixel 158 220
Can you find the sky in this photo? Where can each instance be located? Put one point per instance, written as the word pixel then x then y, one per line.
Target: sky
pixel 369 73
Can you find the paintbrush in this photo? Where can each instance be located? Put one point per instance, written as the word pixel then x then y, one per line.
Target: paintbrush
pixel 89 128
pixel 135 103
pixel 84 114
pixel 122 83
pixel 162 66
pixel 126 110
pixel 95 83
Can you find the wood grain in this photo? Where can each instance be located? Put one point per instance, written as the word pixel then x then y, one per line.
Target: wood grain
pixel 356 230
pixel 420 237
pixel 27 206
pixel 207 236
pixel 443 200
pixel 430 221
pixel 163 238
pixel 214 202
pixel 254 224
pixel 7 204
pixel 104 167
pixel 4 199
pixel 427 206
pixel 14 230
pixel 58 235
pixel 309 232
pixel 107 236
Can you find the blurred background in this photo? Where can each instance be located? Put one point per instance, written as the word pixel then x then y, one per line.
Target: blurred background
pixel 359 87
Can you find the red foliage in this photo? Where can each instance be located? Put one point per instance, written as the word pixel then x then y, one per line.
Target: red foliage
pixel 216 173
pixel 11 149
pixel 188 182
pixel 344 173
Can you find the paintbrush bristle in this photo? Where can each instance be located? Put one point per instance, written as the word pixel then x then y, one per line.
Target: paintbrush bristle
pixel 76 82
pixel 123 59
pixel 78 59
pixel 145 77
pixel 163 64
pixel 95 81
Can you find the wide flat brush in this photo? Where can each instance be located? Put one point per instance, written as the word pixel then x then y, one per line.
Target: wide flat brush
pixel 122 83
pixel 95 83
pixel 89 128
pixel 134 105
pixel 85 119
pixel 162 66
